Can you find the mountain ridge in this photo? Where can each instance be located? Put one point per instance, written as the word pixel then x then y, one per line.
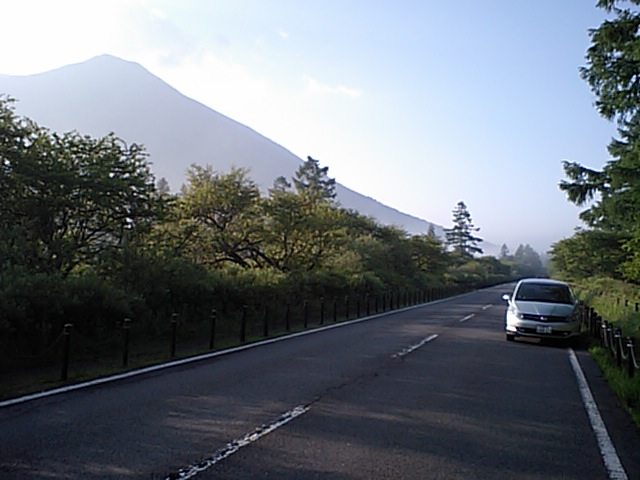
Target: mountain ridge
pixel 106 94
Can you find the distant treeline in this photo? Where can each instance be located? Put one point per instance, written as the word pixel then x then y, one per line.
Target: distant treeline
pixel 88 237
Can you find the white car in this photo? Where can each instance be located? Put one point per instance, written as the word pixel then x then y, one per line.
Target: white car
pixel 541 308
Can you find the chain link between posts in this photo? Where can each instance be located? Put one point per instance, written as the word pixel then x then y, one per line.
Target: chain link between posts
pixel 46 351
pixel 621 348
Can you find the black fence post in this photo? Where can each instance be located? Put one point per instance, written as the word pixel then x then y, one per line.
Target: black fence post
pixel 66 351
pixel 346 307
pixel 335 309
pixel 367 301
pixel 265 321
pixel 212 336
pixel 610 338
pixel 287 316
pixel 321 310
pixel 174 334
pixel 599 328
pixel 390 300
pixel 243 324
pixel 305 307
pixel 603 332
pixel 617 338
pixel 631 366
pixel 357 306
pixel 126 324
pixel 587 320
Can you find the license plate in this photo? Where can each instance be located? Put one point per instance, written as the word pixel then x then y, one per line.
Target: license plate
pixel 544 329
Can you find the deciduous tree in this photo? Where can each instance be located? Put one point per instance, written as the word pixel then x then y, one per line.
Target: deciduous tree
pixel 589 253
pixel 299 233
pixel 66 199
pixel 227 216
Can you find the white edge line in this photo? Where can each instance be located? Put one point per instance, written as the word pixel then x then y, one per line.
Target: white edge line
pixel 232 447
pixel 607 450
pixel 206 356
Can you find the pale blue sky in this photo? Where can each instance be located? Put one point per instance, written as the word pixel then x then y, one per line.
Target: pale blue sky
pixel 418 104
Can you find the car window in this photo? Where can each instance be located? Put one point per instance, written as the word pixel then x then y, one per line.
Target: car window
pixel 537 292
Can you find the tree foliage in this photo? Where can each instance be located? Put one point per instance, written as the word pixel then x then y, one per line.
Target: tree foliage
pixel 66 199
pixel 313 182
pixel 611 196
pixel 300 233
pixel 226 212
pixel 589 253
pixel 87 238
pixel 460 237
pixel 613 73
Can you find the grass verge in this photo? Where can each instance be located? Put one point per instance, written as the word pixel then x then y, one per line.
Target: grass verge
pixel 617 302
pixel 626 389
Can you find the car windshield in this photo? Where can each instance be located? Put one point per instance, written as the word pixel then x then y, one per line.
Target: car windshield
pixel 539 292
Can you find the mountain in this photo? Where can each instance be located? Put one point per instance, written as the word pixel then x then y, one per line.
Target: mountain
pixel 107 94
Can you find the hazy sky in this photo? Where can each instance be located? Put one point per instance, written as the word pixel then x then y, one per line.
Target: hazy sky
pixel 418 104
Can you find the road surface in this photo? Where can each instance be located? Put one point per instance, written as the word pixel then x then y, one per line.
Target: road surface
pixel 429 392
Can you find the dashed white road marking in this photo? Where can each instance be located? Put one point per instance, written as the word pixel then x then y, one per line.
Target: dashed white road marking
pixel 232 447
pixel 408 350
pixel 486 307
pixel 468 317
pixel 607 450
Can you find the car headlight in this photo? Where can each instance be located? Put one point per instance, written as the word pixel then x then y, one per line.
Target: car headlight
pixel 516 313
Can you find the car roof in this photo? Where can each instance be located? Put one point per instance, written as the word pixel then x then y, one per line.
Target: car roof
pixel 548 281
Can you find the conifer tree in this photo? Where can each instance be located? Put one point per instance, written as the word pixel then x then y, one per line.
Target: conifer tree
pixel 313 181
pixel 460 237
pixel 611 195
pixel 613 65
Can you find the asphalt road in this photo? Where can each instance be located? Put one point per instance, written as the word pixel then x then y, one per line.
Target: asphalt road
pixel 432 392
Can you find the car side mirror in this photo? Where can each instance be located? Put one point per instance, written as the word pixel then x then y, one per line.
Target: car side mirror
pixel 506 297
